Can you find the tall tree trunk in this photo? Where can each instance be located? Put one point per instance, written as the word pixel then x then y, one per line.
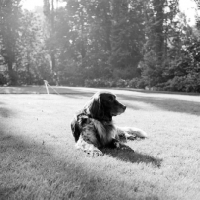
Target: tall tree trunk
pixel 82 45
pixel 158 28
pixel 106 10
pixel 11 72
pixel 8 31
pixel 198 16
pixel 52 33
pixel 49 12
pixel 29 78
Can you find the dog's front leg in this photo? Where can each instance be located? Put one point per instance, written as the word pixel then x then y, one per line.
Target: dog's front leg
pixel 115 143
pixel 87 147
pixel 131 133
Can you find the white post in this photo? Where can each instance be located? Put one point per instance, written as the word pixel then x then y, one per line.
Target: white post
pixel 46 84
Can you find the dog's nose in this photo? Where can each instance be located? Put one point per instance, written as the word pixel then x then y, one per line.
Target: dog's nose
pixel 124 107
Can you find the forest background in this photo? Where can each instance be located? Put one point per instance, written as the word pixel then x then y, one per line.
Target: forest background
pixel 100 43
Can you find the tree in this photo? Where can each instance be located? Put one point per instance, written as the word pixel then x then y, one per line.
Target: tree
pixel 9 14
pixel 31 56
pixel 127 38
pixel 49 11
pixel 161 31
pixel 87 40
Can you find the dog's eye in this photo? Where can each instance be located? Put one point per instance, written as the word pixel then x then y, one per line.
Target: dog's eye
pixel 111 99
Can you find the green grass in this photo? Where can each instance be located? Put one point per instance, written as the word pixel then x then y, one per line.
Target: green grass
pixel 38 159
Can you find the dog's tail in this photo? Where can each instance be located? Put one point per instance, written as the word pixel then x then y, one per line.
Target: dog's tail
pixel 131 132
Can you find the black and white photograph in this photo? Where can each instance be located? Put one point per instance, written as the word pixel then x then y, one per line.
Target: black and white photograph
pixel 99 99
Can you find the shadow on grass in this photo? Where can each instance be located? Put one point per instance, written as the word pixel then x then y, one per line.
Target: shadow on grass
pixel 44 176
pixel 129 155
pixel 157 92
pixel 78 96
pixel 174 105
pixel 38 173
pixel 167 104
pixel 42 90
pixel 5 113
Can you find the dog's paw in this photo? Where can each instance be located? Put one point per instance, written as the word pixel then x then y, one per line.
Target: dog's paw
pixel 117 145
pixel 97 153
pixel 125 147
pixel 94 152
pixel 121 146
pixel 131 137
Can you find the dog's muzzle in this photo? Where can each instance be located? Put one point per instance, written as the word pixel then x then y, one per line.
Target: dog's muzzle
pixel 120 109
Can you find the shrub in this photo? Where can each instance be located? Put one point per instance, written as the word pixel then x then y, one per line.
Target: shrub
pixel 72 81
pixel 189 83
pixel 141 83
pixel 95 83
pixel 3 80
pixel 133 83
pixel 122 83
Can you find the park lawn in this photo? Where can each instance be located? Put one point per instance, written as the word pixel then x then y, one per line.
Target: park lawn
pixel 38 159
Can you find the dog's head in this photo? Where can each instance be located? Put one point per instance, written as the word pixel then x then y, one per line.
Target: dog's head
pixel 104 105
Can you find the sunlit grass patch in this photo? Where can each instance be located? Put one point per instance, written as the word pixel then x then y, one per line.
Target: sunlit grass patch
pixel 38 159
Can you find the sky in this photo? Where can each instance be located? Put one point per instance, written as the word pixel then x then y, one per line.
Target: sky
pixel 186 6
pixel 30 4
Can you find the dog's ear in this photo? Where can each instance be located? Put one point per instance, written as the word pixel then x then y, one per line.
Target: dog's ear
pixel 75 129
pixel 94 106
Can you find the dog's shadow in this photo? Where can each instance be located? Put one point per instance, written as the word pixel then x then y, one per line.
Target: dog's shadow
pixel 129 155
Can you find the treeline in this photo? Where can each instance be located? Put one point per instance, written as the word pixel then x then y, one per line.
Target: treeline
pixel 101 43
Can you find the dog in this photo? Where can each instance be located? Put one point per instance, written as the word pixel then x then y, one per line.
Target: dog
pixel 93 128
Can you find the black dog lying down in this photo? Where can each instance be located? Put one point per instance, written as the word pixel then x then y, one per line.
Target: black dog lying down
pixel 93 128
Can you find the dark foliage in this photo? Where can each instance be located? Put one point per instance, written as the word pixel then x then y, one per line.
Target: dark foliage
pixel 100 43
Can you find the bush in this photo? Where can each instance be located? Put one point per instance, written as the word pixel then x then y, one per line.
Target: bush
pixel 133 83
pixel 95 83
pixel 3 79
pixel 122 83
pixel 106 83
pixel 176 84
pixel 141 84
pixel 189 83
pixel 72 81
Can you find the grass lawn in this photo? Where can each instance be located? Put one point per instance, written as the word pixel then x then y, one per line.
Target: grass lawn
pixel 38 159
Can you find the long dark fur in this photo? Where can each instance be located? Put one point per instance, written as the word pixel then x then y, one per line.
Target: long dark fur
pixel 92 127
